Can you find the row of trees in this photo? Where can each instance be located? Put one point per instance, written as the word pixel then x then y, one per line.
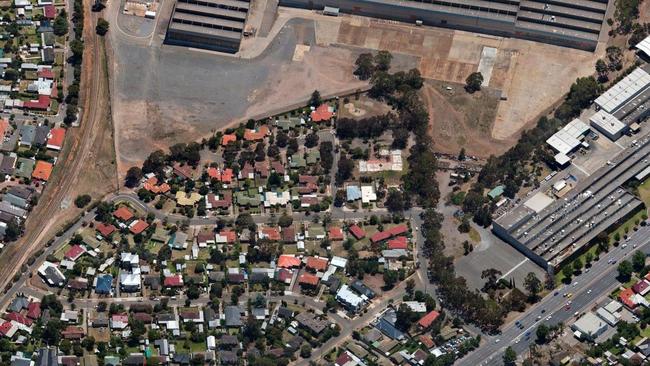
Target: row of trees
pixel 77 48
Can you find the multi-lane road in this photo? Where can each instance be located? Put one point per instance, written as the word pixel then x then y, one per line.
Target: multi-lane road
pixel 586 290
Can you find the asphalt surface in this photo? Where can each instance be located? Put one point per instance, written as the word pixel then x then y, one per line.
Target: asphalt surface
pixel 598 282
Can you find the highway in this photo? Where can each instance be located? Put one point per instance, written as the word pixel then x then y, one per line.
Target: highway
pixel 591 285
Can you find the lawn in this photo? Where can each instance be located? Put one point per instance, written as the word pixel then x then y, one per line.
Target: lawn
pixel 644 192
pixel 627 226
pixel 474 235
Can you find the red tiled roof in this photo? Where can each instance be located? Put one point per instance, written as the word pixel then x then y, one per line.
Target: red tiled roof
pixel 174 281
pixel 74 252
pixel 224 202
pixel 43 103
pixel 335 233
pixel 322 113
pixel 4 124
pixel 343 359
pixel 398 243
pixel 226 139
pixel 120 318
pixel 288 234
pixel 288 261
pixel 17 317
pixel 262 168
pixel 317 264
pixel 305 179
pixel 223 176
pixel 383 235
pixel 284 275
pixel 49 11
pixel 357 232
pixel 308 279
pixel 138 227
pixel 271 233
pixel 46 73
pixel 230 235
pixel 254 135
pixel 278 167
pixel 123 214
pixel 104 229
pixel 55 140
pixel 5 328
pixel 427 341
pixel 73 332
pixel 427 320
pixel 42 170
pixel 626 298
pixel 34 310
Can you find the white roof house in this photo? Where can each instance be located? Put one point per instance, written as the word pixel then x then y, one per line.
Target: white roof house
pixel 339 262
pixel 569 137
pixel 349 298
pixel 368 194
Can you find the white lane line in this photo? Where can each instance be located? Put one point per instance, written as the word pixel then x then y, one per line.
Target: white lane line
pixel 580 169
pixel 513 269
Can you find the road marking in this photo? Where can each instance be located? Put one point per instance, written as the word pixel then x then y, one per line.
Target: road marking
pixel 580 169
pixel 513 269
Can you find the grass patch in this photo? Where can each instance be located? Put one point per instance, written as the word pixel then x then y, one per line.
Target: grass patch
pixel 626 227
pixel 474 235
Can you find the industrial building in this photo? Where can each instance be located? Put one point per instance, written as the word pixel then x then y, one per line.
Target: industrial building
pixel 575 24
pixel 624 105
pixel 551 232
pixel 589 326
pixel 568 139
pixel 215 25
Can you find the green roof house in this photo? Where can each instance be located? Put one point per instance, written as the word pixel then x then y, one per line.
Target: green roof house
pixel 496 192
pixel 313 157
pixel 297 161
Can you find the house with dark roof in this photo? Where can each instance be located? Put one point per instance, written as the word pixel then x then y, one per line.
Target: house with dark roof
pixel 233 316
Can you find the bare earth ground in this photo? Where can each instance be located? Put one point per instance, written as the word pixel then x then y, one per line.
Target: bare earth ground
pixel 165 94
pixel 461 120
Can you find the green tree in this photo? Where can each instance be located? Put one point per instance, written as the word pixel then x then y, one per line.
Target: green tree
pixel 473 82
pixel 567 271
pixel 315 99
pixel 577 265
pixel 638 260
pixel 60 25
pixel 382 60
pixel 625 271
pixel 305 351
pixel 390 278
pixel 365 67
pixel 102 26
pixel 533 285
pixel 509 357
pixel 82 200
pixel 542 333
pixel 133 176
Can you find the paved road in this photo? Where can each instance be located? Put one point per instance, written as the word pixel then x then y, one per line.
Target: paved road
pixel 591 285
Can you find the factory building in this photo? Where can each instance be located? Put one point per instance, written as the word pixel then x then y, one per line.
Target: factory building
pixel 550 232
pixel 575 24
pixel 567 140
pixel 215 25
pixel 623 105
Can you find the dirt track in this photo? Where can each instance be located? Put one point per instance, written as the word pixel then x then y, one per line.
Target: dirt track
pixel 80 168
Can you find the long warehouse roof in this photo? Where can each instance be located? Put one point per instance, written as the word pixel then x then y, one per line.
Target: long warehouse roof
pixel 624 90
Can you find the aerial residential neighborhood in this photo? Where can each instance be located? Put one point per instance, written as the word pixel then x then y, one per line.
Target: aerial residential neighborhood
pixel 349 182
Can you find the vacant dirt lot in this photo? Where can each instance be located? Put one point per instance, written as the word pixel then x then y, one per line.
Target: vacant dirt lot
pixel 531 76
pixel 461 120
